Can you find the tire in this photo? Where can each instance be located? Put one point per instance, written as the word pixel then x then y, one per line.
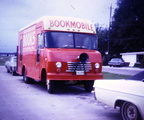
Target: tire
pixel 49 83
pixel 27 79
pixel 50 86
pixel 88 85
pixel 8 70
pixel 129 111
pixel 13 73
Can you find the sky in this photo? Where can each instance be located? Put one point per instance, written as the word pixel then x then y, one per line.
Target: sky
pixel 15 14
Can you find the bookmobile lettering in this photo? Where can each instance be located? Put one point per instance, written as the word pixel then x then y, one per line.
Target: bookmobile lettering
pixel 71 24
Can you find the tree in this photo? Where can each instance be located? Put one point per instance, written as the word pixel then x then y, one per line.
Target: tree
pixel 127 27
pixel 102 34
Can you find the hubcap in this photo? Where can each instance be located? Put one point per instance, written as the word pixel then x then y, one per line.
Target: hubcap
pixel 131 112
pixel 48 84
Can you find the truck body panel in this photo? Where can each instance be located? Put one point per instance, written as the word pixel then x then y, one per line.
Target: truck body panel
pixel 52 41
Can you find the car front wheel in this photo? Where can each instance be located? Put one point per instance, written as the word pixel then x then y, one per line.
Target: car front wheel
pixel 8 71
pixel 129 111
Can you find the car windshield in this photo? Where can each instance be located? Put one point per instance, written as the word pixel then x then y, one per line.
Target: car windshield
pixel 116 60
pixel 13 59
pixel 139 76
pixel 71 40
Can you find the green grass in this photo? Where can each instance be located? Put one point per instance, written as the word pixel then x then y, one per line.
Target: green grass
pixel 114 76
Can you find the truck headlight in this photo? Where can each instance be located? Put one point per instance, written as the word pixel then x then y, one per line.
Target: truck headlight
pixel 97 65
pixel 58 64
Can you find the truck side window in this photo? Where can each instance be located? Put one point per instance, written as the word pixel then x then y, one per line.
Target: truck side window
pixel 40 45
pixel 40 41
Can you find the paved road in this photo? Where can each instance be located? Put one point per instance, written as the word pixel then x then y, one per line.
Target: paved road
pixel 20 101
pixel 122 70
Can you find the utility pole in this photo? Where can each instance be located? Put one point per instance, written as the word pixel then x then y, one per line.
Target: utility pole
pixel 109 29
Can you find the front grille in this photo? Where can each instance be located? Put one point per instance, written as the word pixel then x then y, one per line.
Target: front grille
pixel 78 66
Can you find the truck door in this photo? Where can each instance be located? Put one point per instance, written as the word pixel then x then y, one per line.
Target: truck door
pixel 40 46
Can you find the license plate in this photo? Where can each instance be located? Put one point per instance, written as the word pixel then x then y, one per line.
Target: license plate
pixel 79 72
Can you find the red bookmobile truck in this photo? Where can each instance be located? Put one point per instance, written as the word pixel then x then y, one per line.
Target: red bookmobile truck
pixel 56 50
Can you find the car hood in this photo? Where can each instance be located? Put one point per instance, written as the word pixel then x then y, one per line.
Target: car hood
pixel 121 85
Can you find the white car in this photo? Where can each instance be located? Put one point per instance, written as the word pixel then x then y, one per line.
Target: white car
pixel 128 94
pixel 116 62
pixel 11 65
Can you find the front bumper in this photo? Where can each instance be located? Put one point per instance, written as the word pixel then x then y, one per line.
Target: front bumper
pixel 70 76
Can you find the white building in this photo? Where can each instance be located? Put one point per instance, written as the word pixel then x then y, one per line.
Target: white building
pixel 133 57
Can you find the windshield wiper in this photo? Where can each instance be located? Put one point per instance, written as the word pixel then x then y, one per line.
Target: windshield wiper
pixel 81 47
pixel 68 46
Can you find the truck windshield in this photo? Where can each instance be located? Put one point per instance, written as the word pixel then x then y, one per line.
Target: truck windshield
pixel 70 40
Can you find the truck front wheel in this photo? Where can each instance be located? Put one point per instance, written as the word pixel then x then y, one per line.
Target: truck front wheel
pixel 88 85
pixel 51 86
